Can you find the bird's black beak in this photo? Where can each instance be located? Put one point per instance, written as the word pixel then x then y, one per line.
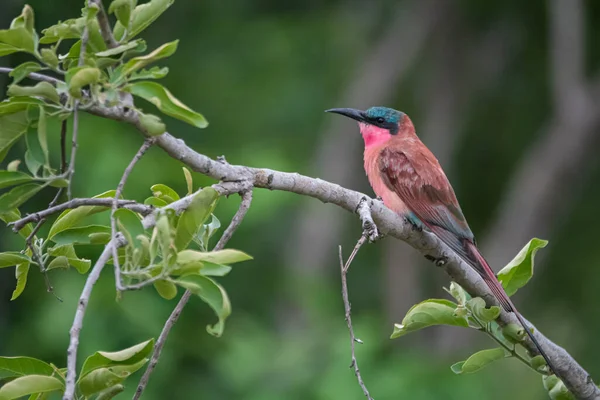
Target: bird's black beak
pixel 357 115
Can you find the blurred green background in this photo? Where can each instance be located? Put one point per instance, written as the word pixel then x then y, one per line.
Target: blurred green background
pixel 506 93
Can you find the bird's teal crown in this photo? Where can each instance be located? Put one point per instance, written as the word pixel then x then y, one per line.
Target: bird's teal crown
pixel 384 117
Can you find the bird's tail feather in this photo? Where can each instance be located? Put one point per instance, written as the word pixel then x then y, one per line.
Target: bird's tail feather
pixel 496 288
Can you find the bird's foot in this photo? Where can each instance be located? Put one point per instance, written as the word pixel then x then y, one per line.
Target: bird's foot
pixel 371 232
pixel 368 225
pixel 416 225
pixel 439 262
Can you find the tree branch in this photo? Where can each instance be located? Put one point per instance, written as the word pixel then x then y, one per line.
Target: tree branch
pixel 34 76
pixel 115 205
pixel 79 314
pixel 80 202
pixel 233 225
pixel 104 24
pixel 347 308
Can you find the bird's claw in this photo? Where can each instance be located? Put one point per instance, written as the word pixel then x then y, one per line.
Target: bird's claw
pixel 371 232
pixel 439 262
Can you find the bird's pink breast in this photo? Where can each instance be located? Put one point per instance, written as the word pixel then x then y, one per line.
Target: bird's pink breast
pixel 390 198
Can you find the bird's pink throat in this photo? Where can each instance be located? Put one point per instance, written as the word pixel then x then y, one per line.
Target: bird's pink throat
pixel 374 135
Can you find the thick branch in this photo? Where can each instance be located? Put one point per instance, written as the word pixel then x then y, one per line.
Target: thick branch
pixel 234 224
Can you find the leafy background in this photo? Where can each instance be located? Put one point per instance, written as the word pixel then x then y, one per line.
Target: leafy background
pixel 262 72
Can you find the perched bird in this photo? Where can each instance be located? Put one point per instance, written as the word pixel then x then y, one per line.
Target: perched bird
pixel 405 174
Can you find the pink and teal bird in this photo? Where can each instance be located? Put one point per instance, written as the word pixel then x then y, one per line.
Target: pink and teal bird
pixel 405 174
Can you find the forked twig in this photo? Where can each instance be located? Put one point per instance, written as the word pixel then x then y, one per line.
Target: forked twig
pixel 343 271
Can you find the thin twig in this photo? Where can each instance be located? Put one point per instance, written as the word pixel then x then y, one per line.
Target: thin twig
pixel 31 238
pixel 75 203
pixel 34 76
pixel 347 308
pixel 115 205
pixel 79 314
pixel 71 170
pixel 233 225
pixel 104 24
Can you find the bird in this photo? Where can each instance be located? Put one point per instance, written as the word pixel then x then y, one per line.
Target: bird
pixel 410 181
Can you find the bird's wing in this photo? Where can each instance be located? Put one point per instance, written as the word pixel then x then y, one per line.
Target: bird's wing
pixel 422 186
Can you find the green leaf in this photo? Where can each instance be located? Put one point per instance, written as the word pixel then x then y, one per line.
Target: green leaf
pixel 110 392
pixel 21 71
pixel 20 366
pixel 122 10
pixel 211 293
pixel 24 20
pixel 164 236
pixel 14 40
pixel 29 384
pixel 13 165
pixel 520 270
pixel 21 272
pixel 79 235
pixel 69 29
pixel 68 251
pixel 152 73
pixel 137 63
pixel 41 89
pixel 155 201
pixel 539 364
pixel 32 163
pixel 190 221
pixel 164 192
pixel 130 222
pixel 49 57
pixel 17 196
pixel 99 380
pixel 34 157
pixel 16 104
pixel 188 180
pixel 128 356
pixel 483 314
pixel 210 269
pixel 514 333
pixel 12 127
pixel 119 49
pixel 158 95
pixel 556 388
pixel 69 218
pixel 10 178
pixel 83 77
pixel 166 290
pixel 208 230
pixel 478 360
pixel 14 215
pixel 43 137
pixel 225 257
pixel 141 17
pixel 428 313
pixel 152 124
pixel 458 293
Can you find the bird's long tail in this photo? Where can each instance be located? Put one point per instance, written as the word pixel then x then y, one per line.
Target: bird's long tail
pixel 484 269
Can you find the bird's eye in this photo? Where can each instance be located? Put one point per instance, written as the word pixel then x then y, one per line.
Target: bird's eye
pixel 380 120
